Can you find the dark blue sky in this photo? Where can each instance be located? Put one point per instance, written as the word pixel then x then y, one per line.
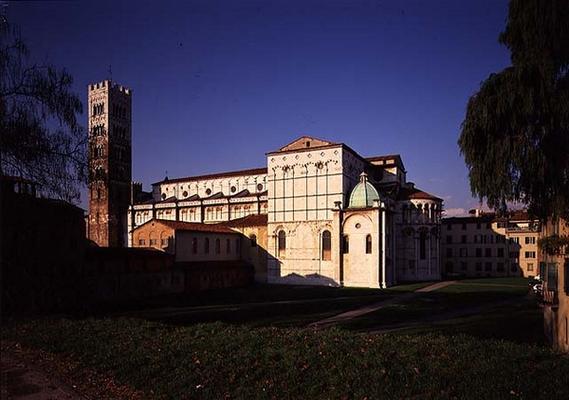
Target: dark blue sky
pixel 217 84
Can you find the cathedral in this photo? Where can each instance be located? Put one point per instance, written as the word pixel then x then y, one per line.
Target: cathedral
pixel 318 213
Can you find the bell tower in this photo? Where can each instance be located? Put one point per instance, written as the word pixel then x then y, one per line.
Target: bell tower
pixel 110 167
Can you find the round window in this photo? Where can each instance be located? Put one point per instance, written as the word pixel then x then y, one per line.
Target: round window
pixel 233 189
pixel 163 196
pixel 208 191
pixel 358 225
pixel 260 187
pixel 185 194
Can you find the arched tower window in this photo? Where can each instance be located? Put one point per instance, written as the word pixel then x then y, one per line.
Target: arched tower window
pixel 228 246
pixel 206 246
pixel 326 246
pixel 368 244
pixel 217 246
pixel 281 249
pixel 194 245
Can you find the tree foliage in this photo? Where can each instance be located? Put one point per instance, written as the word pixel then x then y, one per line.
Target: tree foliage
pixel 515 136
pixel 40 137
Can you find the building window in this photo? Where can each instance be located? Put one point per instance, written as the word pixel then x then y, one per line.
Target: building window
pixel 479 266
pixel 368 244
pixel 478 252
pixel 326 246
pixel 233 189
pixel 449 252
pixel 164 242
pixel 500 252
pixel 206 246
pixel 195 245
pixel 488 252
pixel 488 267
pixel 345 244
pixel 552 276
pixel 281 244
pixel 530 254
pixel 217 246
pixel 141 242
pixel 500 267
pixel 422 245
pixel 253 240
pixel 463 226
pixel 259 187
pixel 463 265
pixel 463 239
pixel 530 267
pixel 228 246
pixel 464 252
pixel 449 239
pixel 530 239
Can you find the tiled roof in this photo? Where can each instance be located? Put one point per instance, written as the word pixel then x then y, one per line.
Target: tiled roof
pixel 252 171
pixel 250 220
pixel 414 193
pixel 190 226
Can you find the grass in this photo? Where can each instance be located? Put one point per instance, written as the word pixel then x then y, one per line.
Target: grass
pixel 521 323
pixel 462 297
pixel 257 305
pixel 212 361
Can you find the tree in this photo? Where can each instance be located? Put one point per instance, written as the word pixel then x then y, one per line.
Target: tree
pixel 40 138
pixel 515 136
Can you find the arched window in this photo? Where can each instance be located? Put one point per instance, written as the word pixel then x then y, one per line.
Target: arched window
pixel 345 244
pixel 326 246
pixel 217 246
pixel 281 248
pixel 194 245
pixel 368 244
pixel 228 246
pixel 206 246
pixel 253 239
pixel 422 245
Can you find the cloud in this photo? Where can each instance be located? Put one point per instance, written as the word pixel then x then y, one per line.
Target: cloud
pixel 455 212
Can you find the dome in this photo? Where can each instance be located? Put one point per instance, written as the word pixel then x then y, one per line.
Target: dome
pixel 364 194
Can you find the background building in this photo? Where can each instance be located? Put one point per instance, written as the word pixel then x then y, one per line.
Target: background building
pixel 485 245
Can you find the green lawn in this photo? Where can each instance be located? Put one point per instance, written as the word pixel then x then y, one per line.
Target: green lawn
pixel 215 361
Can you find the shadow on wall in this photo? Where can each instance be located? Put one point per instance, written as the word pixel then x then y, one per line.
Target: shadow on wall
pixel 311 279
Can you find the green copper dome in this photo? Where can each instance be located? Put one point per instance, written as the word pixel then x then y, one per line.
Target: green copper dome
pixel 363 194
